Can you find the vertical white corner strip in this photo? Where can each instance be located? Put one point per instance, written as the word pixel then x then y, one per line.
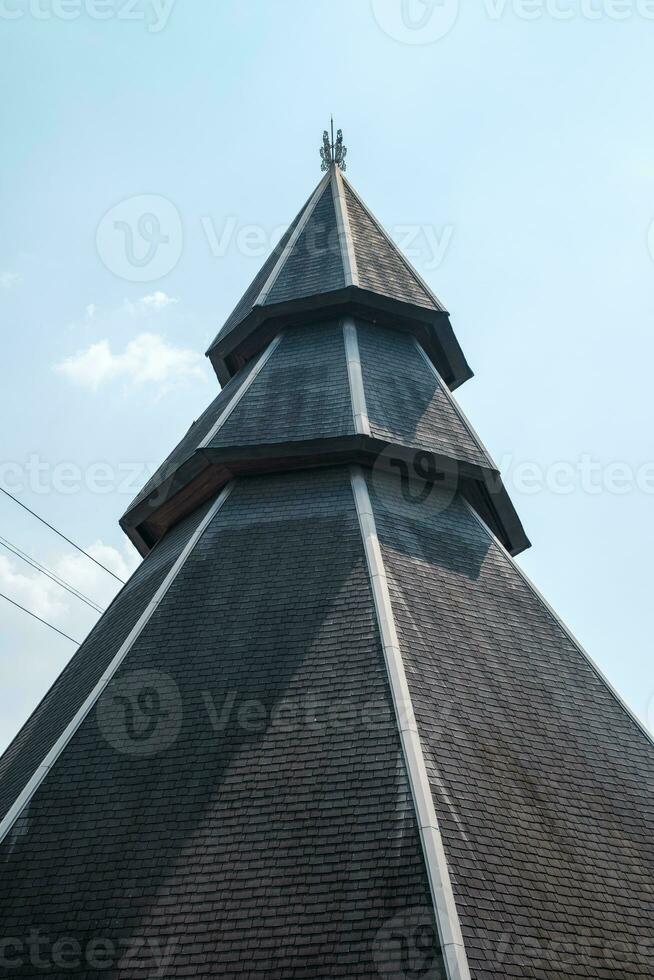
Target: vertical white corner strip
pixel 63 740
pixel 355 377
pixel 247 384
pixel 432 367
pixel 562 626
pixel 344 230
pixel 447 916
pixel 290 244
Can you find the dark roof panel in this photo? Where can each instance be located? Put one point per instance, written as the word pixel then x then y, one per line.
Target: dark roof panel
pixel 79 677
pixel 312 263
pixel 315 265
pixel 302 393
pixel 381 267
pixel 542 782
pixel 407 403
pixel 186 447
pixel 249 297
pixel 273 835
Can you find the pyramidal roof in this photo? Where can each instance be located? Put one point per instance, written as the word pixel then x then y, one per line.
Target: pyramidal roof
pixel 335 251
pixel 329 728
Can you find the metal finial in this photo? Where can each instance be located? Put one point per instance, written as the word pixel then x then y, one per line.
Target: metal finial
pixel 332 150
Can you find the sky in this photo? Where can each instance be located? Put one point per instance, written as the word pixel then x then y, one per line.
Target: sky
pixel 153 151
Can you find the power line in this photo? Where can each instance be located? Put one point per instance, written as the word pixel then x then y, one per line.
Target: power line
pixel 44 621
pixel 33 563
pixel 81 550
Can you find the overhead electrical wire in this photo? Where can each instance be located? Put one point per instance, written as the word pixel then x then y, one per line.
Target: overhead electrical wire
pixel 33 563
pixel 44 621
pixel 63 536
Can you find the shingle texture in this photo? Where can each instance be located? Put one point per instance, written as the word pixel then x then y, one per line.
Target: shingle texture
pixel 78 679
pixel 301 393
pixel 380 266
pixel 244 811
pixel 186 447
pixel 249 297
pixel 406 402
pixel 543 784
pixel 315 264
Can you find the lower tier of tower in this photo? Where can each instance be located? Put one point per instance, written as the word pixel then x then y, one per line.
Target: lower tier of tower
pixel 328 729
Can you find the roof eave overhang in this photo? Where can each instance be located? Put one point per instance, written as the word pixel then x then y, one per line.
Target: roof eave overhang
pixel 432 328
pixel 208 470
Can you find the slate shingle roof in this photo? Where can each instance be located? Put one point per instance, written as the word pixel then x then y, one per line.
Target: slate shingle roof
pixel 194 436
pixel 275 835
pixel 543 784
pixel 302 392
pixel 67 694
pixel 380 265
pixel 407 403
pixel 314 264
pixel 249 297
pixel 238 801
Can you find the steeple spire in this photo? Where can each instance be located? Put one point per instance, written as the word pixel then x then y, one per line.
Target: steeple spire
pixel 332 151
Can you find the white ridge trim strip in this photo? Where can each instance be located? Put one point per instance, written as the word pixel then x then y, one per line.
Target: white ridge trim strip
pixel 423 353
pixel 355 377
pixel 247 384
pixel 447 916
pixel 290 244
pixel 348 255
pixel 65 737
pixel 562 626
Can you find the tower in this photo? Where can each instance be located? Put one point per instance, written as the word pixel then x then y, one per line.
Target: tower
pixel 329 728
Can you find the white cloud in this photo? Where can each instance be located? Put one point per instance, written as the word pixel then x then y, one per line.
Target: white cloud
pixel 152 303
pixel 86 576
pixel 48 600
pixel 158 301
pixel 9 279
pixel 34 591
pixel 147 358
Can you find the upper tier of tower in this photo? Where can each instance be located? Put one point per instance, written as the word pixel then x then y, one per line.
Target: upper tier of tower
pixel 336 258
pixel 338 353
